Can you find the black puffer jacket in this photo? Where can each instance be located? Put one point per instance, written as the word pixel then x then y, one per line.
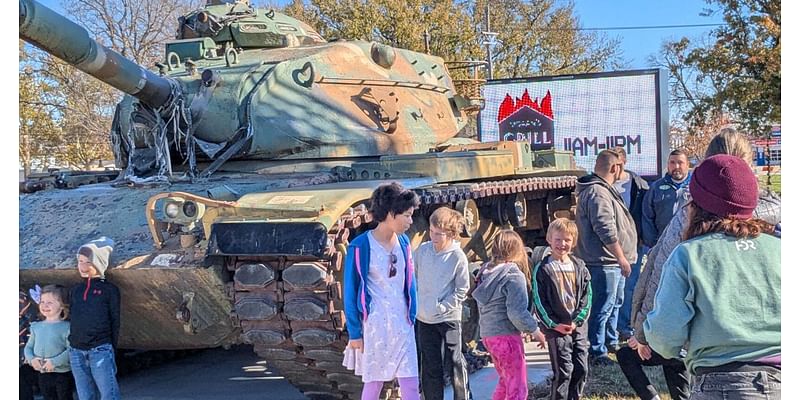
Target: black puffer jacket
pixel 94 314
pixel 639 188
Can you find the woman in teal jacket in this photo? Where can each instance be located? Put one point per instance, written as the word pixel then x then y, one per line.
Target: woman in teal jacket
pixel 720 291
pixel 380 297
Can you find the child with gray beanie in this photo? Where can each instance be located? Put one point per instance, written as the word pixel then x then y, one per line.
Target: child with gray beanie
pixel 94 324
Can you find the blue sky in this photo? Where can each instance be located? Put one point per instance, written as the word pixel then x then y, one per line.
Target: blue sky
pixel 636 45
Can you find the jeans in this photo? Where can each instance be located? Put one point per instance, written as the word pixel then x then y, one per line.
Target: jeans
pixel 624 322
pixel 95 370
pixel 675 374
pixel 755 385
pixel 569 360
pixel 508 356
pixel 606 283
pixel 439 347
pixel 612 336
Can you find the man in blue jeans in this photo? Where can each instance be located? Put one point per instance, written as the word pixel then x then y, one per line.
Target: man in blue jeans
pixel 608 246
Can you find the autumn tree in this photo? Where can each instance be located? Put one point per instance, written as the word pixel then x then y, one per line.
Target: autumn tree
pixel 543 38
pixel 84 105
pixel 86 108
pixel 135 29
pixel 695 140
pixel 397 23
pixel 734 72
pixel 38 134
pixel 534 37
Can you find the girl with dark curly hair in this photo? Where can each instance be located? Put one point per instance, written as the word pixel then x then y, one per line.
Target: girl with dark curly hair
pixel 380 297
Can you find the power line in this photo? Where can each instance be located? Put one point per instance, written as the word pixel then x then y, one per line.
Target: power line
pixel 631 28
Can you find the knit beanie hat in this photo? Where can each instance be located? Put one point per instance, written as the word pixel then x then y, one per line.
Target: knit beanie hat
pixel 98 251
pixel 725 186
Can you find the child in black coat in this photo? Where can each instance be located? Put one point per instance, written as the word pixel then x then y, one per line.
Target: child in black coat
pixel 562 296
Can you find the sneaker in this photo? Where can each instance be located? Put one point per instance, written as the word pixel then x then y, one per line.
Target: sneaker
pixel 477 353
pixel 613 348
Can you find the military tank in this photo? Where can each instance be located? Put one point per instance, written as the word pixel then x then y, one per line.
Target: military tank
pixel 248 157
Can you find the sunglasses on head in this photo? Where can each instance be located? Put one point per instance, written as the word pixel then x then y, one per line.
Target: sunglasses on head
pixel 392 267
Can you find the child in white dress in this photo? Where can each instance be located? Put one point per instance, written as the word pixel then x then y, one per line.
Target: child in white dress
pixel 380 297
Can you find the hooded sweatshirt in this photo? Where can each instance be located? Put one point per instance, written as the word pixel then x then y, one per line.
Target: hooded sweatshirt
pixel 603 219
pixel 442 282
pixel 722 295
pixel 94 314
pixel 502 297
pixel 768 209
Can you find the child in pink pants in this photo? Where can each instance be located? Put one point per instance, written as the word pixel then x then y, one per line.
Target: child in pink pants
pixel 502 295
pixel 508 356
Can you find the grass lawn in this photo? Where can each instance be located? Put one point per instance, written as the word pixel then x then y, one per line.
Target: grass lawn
pixel 608 383
pixel 775 182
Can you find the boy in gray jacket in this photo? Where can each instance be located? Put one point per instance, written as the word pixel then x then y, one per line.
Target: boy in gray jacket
pixel 442 284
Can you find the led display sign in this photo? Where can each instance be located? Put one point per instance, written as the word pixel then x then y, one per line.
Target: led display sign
pixel 584 114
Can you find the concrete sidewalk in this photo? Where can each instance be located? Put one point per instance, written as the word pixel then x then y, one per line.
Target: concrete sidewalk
pixel 483 381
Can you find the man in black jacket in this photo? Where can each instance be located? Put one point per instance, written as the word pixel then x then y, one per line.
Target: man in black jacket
pixel 632 188
pixel 562 296
pixel 94 324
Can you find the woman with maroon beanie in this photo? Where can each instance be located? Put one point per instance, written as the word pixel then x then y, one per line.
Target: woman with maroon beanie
pixel 720 290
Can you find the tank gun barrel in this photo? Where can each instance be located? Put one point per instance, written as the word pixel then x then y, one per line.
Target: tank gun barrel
pixel 57 35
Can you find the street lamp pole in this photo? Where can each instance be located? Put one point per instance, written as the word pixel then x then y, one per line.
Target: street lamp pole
pixel 489 41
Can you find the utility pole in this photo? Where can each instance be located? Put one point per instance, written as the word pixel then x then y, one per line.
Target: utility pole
pixel 427 37
pixel 488 40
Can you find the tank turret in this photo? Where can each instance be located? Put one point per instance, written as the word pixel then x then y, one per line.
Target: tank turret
pixel 248 84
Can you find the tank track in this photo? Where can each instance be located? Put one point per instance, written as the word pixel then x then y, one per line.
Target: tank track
pixel 290 307
pixel 290 310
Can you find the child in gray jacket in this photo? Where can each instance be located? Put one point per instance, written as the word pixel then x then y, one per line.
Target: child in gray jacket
pixel 501 292
pixel 442 285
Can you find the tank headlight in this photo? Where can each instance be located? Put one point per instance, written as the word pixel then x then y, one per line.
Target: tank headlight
pixel 171 210
pixel 190 209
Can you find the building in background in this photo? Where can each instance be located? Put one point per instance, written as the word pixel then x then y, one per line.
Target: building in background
pixel 764 147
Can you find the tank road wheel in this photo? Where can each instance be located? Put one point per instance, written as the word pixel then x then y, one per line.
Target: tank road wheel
pixel 472 217
pixel 517 210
